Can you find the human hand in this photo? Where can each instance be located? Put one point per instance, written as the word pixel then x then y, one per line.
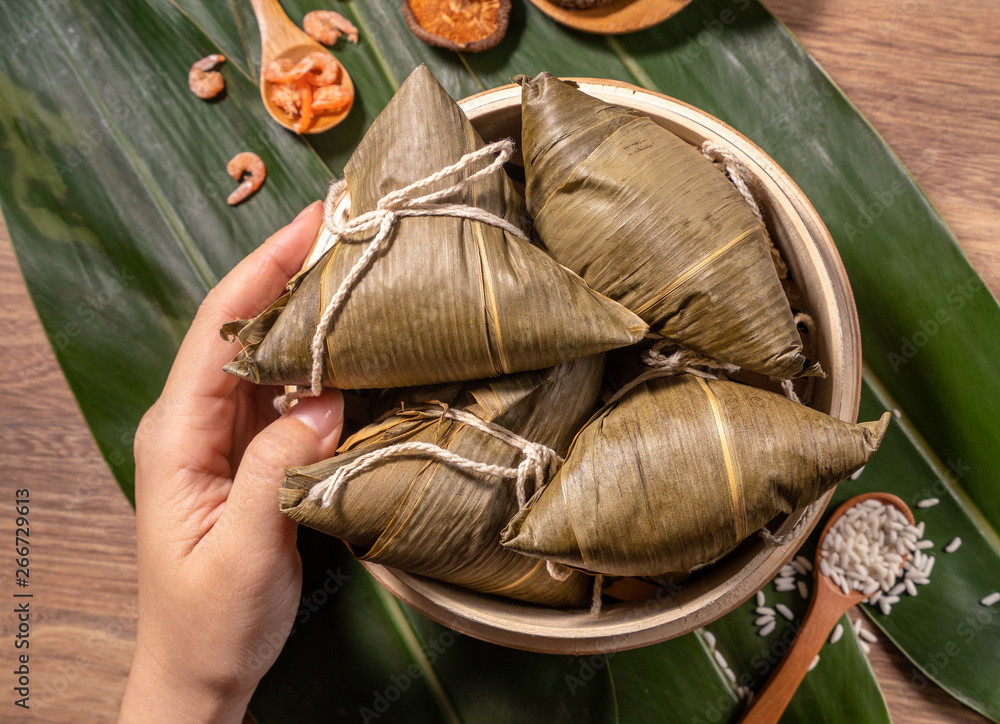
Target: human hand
pixel 219 574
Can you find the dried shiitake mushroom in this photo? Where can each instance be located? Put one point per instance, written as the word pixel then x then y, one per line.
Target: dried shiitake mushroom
pixel 468 25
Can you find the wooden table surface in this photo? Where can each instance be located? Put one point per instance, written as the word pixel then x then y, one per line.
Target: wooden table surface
pixel 926 73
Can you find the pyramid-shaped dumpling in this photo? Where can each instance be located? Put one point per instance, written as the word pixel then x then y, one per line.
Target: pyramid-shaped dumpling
pixel 447 298
pixel 643 217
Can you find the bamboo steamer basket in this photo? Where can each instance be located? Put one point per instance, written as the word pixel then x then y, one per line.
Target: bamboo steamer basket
pixel 815 265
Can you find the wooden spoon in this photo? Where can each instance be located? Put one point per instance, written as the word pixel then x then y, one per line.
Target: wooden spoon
pixel 828 604
pixel 281 38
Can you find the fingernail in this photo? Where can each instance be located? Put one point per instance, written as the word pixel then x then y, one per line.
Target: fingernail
pixel 304 211
pixel 324 414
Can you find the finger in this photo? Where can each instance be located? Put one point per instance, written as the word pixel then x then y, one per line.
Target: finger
pixel 245 292
pixel 306 434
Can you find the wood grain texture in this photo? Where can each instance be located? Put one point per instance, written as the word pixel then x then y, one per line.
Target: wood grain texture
pixel 82 531
pixel 924 72
pixel 926 75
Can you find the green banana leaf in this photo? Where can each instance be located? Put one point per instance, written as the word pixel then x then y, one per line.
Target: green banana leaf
pixel 114 195
pixel 401 667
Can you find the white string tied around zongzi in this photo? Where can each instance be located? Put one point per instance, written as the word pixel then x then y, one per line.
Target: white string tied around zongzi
pixel 681 360
pixel 738 173
pixel 787 386
pixel 390 208
pixel 538 462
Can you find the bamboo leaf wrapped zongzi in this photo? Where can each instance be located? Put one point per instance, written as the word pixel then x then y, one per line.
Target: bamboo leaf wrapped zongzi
pixel 437 519
pixel 679 470
pixel 645 218
pixel 447 297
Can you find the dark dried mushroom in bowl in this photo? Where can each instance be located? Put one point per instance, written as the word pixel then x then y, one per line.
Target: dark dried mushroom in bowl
pixel 468 25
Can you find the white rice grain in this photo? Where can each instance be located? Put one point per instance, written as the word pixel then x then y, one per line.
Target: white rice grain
pixel 760 598
pixel 763 620
pixel 928 503
pixel 709 639
pixel 955 544
pixel 838 631
pixel 767 629
pixel 814 664
pixel 874 549
pixel 992 599
pixel 867 635
pixel 803 589
pixel 785 611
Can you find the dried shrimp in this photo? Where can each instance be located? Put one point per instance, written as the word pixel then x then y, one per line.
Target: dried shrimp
pixel 249 165
pixel 331 99
pixel 326 27
pixel 283 70
pixel 205 82
pixel 325 69
pixel 307 88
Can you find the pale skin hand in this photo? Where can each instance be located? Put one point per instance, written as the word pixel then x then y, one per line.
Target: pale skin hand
pixel 219 575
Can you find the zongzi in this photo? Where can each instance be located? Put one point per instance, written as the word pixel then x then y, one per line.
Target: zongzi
pixel 680 470
pixel 645 218
pixel 433 517
pixel 447 297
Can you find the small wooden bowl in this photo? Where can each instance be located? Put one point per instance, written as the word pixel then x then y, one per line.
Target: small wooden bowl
pixel 815 265
pixel 616 18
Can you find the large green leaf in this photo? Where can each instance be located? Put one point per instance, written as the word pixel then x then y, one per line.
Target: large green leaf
pixel 114 193
pixel 394 655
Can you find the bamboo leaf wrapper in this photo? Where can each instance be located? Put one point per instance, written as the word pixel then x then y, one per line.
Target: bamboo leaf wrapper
pixel 449 298
pixel 430 518
pixel 680 470
pixel 645 218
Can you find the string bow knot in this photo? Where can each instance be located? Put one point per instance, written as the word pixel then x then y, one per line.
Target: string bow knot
pixel 389 209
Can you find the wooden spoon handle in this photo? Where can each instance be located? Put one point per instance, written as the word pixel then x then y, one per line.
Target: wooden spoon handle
pixel 772 700
pixel 277 31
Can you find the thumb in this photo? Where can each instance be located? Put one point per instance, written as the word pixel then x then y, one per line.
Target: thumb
pixel 306 434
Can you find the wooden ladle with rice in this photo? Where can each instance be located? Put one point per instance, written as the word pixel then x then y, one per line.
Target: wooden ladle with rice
pixel 851 565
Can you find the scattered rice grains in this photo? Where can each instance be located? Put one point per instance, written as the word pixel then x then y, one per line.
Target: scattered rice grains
pixel 870 548
pixel 744 692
